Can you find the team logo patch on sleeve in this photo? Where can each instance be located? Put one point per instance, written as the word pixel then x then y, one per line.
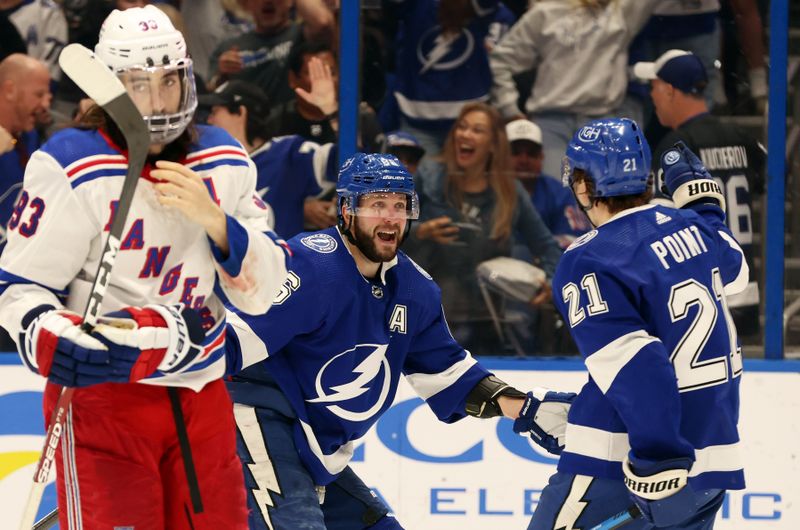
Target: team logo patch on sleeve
pixel 671 157
pixel 322 243
pixel 582 240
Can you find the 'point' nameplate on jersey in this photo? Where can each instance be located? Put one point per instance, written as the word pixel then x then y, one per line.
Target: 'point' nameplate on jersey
pixel 322 243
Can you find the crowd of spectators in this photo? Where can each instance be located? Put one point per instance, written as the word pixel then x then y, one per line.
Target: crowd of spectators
pixel 477 97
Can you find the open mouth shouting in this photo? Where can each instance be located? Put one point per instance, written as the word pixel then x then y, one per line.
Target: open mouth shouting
pixel 387 236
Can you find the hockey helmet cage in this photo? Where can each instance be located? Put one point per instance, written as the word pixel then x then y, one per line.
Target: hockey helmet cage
pixel 149 56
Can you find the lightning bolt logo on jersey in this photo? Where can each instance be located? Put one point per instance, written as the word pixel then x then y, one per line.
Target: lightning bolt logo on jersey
pixel 333 352
pixel 438 72
pixel 373 373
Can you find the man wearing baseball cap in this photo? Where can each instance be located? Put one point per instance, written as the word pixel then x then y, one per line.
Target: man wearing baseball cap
pixel 291 170
pixel 733 157
pixel 406 148
pixel 555 203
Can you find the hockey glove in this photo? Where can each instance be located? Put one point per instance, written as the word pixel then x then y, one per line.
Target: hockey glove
pixel 660 489
pixel 155 337
pixel 544 417
pixel 686 180
pixel 54 345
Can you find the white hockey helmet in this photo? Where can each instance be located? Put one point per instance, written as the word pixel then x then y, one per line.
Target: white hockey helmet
pixel 149 55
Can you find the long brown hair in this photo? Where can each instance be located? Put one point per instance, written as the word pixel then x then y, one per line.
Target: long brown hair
pixel 498 170
pixel 96 118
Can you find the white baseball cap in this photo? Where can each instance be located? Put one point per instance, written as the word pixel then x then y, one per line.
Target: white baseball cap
pixel 523 130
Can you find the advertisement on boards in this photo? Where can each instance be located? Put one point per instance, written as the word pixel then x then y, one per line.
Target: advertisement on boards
pixel 474 474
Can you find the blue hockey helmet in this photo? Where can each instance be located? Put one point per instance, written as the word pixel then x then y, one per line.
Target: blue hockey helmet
pixel 363 174
pixel 614 153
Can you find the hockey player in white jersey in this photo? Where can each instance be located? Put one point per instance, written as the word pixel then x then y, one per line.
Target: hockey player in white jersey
pixel 645 297
pixel 354 314
pixel 195 225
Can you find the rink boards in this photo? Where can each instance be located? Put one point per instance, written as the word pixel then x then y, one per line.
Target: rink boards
pixel 475 474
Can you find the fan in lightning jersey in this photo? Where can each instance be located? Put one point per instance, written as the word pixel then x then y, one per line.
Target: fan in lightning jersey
pixel 733 158
pixel 442 59
pixel 195 225
pixel 354 314
pixel 645 297
pixel 43 27
pixel 290 169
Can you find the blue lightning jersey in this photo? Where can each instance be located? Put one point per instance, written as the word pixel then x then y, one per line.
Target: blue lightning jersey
pixel 437 73
pixel 645 296
pixel 290 169
pixel 334 345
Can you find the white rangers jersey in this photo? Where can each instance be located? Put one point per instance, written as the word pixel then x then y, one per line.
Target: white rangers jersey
pixel 58 229
pixel 43 27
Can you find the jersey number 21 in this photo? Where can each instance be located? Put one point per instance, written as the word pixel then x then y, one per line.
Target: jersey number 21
pixel 691 372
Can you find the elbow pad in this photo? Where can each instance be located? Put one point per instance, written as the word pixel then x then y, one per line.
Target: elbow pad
pixel 482 399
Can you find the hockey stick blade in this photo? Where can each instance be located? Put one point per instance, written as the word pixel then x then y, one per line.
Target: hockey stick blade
pixel 47 522
pixel 101 85
pixel 619 520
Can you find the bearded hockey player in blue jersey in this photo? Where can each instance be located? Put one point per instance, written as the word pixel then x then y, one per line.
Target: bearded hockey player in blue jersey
pixel 644 294
pixel 354 315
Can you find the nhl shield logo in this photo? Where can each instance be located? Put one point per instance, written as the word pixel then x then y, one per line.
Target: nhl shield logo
pixel 322 243
pixel 377 292
pixel 671 157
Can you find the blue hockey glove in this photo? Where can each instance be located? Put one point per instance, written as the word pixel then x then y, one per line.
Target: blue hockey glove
pixel 54 345
pixel 686 180
pixel 155 337
pixel 660 489
pixel 544 417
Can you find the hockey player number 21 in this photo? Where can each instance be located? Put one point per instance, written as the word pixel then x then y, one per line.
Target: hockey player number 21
pixel 692 373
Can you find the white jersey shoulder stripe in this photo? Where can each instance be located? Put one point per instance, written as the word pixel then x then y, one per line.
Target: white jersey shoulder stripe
pixel 605 363
pixel 427 385
pixel 740 283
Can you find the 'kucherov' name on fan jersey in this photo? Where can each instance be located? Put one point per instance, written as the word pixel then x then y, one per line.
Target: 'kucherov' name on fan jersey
pixel 337 343
pixel 644 295
pixel 59 226
pixel 736 161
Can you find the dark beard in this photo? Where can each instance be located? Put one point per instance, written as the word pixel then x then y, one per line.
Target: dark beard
pixel 366 244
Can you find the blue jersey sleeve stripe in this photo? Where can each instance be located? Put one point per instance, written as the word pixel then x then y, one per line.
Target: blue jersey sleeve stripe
pixel 740 282
pixel 94 175
pixel 427 385
pixel 605 363
pixel 7 280
pixel 217 163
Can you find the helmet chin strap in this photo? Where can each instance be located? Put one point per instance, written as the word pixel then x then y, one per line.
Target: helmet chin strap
pixel 345 229
pixel 584 209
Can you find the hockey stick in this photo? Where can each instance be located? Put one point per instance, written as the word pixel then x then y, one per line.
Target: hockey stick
pixel 102 85
pixel 47 522
pixel 619 520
